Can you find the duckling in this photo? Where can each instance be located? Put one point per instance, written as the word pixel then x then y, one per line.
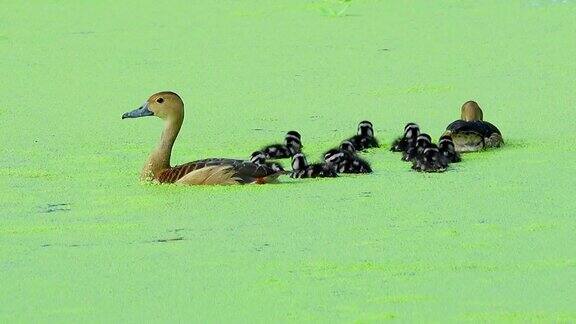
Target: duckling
pixel 346 163
pixel 292 145
pixel 447 149
pixel 301 168
pixel 259 158
pixel 471 133
pixel 411 132
pixel 422 142
pixel 431 160
pixel 364 138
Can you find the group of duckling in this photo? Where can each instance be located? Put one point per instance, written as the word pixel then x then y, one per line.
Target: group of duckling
pixel 343 159
pixel 469 133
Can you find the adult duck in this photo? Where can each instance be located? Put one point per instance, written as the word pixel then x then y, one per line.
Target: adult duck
pixel 471 133
pixel 169 107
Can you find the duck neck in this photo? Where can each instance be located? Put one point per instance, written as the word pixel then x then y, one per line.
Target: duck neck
pixel 159 159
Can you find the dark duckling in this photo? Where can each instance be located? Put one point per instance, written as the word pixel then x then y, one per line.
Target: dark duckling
pixel 259 158
pixel 364 138
pixel 402 144
pixel 301 169
pixel 471 133
pixel 431 160
pixel 292 145
pixel 344 160
pixel 422 142
pixel 448 150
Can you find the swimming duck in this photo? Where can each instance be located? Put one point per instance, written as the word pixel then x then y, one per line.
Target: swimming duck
pixel 169 107
pixel 345 162
pixel 292 145
pixel 411 132
pixel 430 160
pixel 422 142
pixel 301 168
pixel 364 138
pixel 259 158
pixel 447 149
pixel 471 133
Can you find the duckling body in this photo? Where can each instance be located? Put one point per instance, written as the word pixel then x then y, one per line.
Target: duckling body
pixel 364 138
pixel 430 160
pixel 292 145
pixel 408 140
pixel 448 150
pixel 345 162
pixel 471 133
pixel 169 107
pixel 422 142
pixel 259 158
pixel 301 169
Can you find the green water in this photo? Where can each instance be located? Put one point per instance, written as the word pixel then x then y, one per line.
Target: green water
pixel 82 240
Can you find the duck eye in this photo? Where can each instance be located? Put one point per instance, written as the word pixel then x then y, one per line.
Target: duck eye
pixel 160 100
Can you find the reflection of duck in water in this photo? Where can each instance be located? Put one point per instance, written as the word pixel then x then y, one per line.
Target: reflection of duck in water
pixel 471 133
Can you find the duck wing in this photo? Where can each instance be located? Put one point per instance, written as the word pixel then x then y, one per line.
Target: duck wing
pixel 478 126
pixel 229 170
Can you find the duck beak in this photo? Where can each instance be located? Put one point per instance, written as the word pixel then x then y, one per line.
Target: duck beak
pixel 139 112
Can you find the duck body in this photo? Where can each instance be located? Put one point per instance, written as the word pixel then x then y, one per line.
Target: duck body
pixel 301 169
pixel 169 107
pixel 471 133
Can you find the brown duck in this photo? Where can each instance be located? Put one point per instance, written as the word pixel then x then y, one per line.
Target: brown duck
pixel 471 133
pixel 169 107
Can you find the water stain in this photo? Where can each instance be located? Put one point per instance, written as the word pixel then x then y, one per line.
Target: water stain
pixel 54 208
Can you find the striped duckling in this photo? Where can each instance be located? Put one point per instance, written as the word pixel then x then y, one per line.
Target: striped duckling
pixel 364 138
pixel 402 144
pixel 301 168
pixel 431 160
pixel 259 158
pixel 422 142
pixel 448 150
pixel 344 160
pixel 292 145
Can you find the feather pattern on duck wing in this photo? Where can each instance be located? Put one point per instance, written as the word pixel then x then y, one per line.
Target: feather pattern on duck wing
pixel 239 170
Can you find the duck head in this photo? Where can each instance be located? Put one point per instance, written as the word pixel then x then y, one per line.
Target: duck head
pixel 299 162
pixel 165 105
pixel 471 111
pixel 411 131
pixel 293 141
pixel 365 128
pixel 348 147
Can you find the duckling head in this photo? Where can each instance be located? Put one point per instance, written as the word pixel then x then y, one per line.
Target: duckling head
pixel 294 141
pixel 411 131
pixel 258 157
pixel 471 111
pixel 333 156
pixel 431 153
pixel 423 141
pixel 299 162
pixel 365 128
pixel 165 105
pixel 348 147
